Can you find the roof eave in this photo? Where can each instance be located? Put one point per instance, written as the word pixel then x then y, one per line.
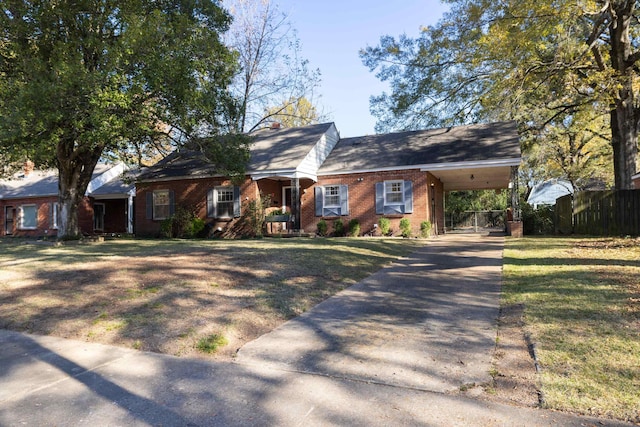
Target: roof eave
pixel 430 167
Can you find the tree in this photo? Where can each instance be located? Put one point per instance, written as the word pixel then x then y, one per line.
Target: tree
pixel 574 149
pixel 293 113
pixel 272 73
pixel 79 79
pixel 535 62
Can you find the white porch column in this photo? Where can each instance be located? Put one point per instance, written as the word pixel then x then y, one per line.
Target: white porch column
pixel 130 213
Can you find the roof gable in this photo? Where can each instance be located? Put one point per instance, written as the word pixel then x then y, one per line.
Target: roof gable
pixel 272 150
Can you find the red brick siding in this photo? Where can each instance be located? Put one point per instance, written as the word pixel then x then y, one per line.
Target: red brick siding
pixel 636 183
pixel 362 200
pixel 44 216
pixel 189 194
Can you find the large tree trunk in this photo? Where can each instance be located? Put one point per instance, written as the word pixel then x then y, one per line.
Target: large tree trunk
pixel 624 113
pixel 74 174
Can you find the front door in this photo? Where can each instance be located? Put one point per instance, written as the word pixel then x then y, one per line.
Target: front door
pixel 8 220
pixel 287 201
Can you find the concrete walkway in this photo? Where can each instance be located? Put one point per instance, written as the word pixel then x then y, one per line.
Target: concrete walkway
pixel 387 351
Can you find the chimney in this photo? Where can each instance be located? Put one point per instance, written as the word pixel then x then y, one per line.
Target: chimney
pixel 275 125
pixel 28 168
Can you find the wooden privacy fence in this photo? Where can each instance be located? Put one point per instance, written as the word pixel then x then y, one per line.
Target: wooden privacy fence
pixel 602 213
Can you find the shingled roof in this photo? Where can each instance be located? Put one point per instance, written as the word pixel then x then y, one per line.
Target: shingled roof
pixel 42 183
pixel 271 150
pixel 454 145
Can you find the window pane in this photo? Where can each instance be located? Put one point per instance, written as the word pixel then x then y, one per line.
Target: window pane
pixel 161 204
pixel 224 207
pixel 393 192
pixel 29 216
pixel 332 196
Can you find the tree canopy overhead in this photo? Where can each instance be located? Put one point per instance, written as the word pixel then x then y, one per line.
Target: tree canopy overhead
pixel 541 63
pixel 84 77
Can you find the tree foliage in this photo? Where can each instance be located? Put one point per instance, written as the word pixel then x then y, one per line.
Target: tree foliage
pixel 540 63
pixel 293 113
pixel 79 79
pixel 272 72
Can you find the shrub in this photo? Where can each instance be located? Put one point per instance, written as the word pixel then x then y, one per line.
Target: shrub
pixel 385 226
pixel 255 214
pixel 322 227
pixel 182 224
pixel 198 225
pixel 405 227
pixel 425 229
pixel 338 228
pixel 538 221
pixel 166 227
pixel 354 228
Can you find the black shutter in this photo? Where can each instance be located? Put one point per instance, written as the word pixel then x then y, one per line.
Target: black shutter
pixel 149 205
pixel 379 198
pixel 319 193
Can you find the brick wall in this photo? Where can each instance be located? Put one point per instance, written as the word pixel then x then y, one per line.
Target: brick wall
pixel 44 217
pixel 189 194
pixel 362 200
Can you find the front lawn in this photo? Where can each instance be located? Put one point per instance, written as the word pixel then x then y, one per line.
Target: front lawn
pixel 582 310
pixel 171 296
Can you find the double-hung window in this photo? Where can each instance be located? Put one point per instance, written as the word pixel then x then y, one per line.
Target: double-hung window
pixel 223 202
pixel 394 197
pixel 160 204
pixel 332 200
pixel 393 193
pixel 28 217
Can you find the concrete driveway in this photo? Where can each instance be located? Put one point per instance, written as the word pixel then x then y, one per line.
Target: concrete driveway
pixel 426 322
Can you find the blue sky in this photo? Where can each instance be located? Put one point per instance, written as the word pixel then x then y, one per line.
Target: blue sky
pixel 332 32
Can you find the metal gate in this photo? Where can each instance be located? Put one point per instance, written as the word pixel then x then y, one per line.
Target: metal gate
pixel 475 221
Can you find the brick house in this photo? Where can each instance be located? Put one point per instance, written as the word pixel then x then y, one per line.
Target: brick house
pixel 636 181
pixel 313 174
pixel 283 164
pixel 29 203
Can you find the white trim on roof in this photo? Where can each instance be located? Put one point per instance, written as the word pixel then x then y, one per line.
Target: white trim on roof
pixel 291 174
pixel 431 167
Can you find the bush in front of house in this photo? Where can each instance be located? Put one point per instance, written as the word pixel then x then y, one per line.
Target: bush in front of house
pixel 405 227
pixel 354 228
pixel 425 229
pixel 182 224
pixel 322 228
pixel 338 228
pixel 385 226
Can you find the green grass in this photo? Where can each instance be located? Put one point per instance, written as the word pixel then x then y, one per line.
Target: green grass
pixel 582 308
pixel 211 343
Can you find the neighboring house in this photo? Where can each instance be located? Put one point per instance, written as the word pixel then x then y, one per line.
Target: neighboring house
pixel 313 174
pixel 546 193
pixel 636 181
pixel 29 202
pixel 113 206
